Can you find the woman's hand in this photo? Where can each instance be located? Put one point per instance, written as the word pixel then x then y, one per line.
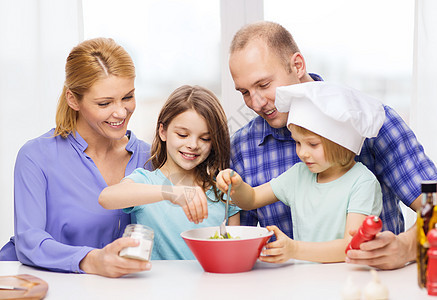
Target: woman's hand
pixel 280 250
pixel 224 179
pixel 106 261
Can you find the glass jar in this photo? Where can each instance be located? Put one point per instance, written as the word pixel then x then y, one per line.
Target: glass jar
pixel 144 235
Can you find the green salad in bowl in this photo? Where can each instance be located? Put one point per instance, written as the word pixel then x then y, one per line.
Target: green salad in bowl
pixel 218 236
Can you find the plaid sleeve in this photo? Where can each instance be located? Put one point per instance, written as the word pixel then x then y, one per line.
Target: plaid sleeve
pixel 401 163
pixel 247 218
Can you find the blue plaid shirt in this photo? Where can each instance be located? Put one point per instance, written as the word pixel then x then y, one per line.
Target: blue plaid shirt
pixel 260 153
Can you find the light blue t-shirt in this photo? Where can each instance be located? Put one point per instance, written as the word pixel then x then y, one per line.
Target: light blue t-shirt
pixel 319 210
pixel 168 220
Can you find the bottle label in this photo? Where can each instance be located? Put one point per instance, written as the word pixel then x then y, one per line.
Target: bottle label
pixel 142 251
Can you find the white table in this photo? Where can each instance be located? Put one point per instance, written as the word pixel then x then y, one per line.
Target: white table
pixel 187 280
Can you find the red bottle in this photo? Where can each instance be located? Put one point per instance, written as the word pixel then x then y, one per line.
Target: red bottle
pixel 367 231
pixel 431 272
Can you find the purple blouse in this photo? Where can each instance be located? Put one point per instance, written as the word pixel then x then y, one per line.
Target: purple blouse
pixel 58 218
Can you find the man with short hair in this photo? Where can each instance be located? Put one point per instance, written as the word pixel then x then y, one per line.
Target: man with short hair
pixel 264 56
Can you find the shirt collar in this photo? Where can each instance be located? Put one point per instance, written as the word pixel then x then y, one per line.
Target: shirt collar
pixel 282 134
pixel 77 141
pixel 316 77
pixel 132 139
pixel 81 144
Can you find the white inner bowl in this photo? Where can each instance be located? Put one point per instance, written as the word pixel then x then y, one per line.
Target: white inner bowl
pixel 242 232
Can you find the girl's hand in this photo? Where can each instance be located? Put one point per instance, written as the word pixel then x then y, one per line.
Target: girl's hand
pixel 107 262
pixel 280 250
pixel 224 179
pixel 193 201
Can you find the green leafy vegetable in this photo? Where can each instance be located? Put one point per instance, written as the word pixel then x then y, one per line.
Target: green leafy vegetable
pixel 218 236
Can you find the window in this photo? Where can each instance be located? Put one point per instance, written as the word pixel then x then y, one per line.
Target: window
pixel 366 45
pixel 171 42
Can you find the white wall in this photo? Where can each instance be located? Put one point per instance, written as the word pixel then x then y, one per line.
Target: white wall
pixel 234 15
pixel 31 76
pixel 35 39
pixel 424 104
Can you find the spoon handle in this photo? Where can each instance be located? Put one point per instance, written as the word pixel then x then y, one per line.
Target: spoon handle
pixel 227 200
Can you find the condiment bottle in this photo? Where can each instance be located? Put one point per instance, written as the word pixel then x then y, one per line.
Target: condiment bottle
pixel 367 231
pixel 431 274
pixel 425 222
pixel 145 236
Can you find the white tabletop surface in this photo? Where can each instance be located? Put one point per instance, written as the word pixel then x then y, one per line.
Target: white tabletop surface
pixel 187 280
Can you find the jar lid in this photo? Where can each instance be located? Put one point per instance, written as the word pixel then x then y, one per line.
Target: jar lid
pixel 139 228
pixel 429 186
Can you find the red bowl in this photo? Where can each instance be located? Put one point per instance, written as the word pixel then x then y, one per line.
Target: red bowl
pixel 227 255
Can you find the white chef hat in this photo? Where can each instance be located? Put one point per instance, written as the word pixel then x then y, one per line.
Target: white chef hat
pixel 340 114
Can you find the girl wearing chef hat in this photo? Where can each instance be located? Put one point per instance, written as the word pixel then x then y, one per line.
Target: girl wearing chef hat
pixel 328 192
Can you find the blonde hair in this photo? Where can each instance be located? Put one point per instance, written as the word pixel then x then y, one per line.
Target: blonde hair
pixel 88 62
pixel 207 105
pixel 278 39
pixel 334 153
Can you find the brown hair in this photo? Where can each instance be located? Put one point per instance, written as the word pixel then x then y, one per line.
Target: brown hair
pixel 87 63
pixel 207 105
pixel 334 153
pixel 277 38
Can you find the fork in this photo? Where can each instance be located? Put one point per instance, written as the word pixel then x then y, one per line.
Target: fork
pixel 225 222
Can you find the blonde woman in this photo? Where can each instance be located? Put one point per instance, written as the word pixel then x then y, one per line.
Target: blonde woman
pixel 59 224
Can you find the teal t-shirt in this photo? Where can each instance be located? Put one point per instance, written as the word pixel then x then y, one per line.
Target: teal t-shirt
pixel 319 210
pixel 168 220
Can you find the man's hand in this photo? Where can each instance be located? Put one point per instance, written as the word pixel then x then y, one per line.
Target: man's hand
pixel 387 251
